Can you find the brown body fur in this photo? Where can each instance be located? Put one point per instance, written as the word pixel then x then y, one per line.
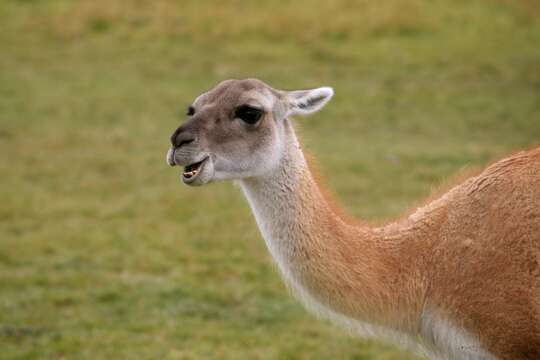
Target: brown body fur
pixel 473 254
pixel 485 265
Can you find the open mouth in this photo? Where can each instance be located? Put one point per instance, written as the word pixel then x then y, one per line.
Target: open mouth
pixel 192 170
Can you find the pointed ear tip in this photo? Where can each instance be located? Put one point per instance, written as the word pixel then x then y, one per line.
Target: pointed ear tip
pixel 328 90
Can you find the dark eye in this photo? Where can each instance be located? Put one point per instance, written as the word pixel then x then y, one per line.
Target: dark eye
pixel 248 114
pixel 190 111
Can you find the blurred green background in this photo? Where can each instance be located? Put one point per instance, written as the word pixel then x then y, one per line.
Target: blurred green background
pixel 104 255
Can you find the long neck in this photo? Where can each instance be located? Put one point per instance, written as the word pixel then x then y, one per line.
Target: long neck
pixel 353 270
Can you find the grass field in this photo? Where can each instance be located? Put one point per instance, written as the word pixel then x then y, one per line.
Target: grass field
pixel 104 255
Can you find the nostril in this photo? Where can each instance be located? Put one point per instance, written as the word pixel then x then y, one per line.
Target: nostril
pixel 182 137
pixel 185 142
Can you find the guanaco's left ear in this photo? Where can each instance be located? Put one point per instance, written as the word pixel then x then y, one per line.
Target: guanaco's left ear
pixel 303 102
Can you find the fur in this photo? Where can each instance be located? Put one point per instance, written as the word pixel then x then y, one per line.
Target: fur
pixel 459 278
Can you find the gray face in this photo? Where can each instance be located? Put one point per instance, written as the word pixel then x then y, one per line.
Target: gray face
pixel 236 130
pixel 230 132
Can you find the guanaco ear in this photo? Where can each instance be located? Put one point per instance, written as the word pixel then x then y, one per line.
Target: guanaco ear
pixel 303 102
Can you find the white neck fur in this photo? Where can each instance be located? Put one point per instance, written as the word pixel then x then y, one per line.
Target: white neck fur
pixel 304 236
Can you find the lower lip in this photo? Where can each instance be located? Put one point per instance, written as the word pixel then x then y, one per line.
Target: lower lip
pixel 196 175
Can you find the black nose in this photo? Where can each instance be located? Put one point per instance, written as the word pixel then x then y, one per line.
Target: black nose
pixel 181 137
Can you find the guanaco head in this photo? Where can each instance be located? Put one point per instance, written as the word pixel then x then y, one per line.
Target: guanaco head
pixel 236 130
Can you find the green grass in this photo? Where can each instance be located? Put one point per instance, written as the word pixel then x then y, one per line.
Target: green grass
pixel 104 255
